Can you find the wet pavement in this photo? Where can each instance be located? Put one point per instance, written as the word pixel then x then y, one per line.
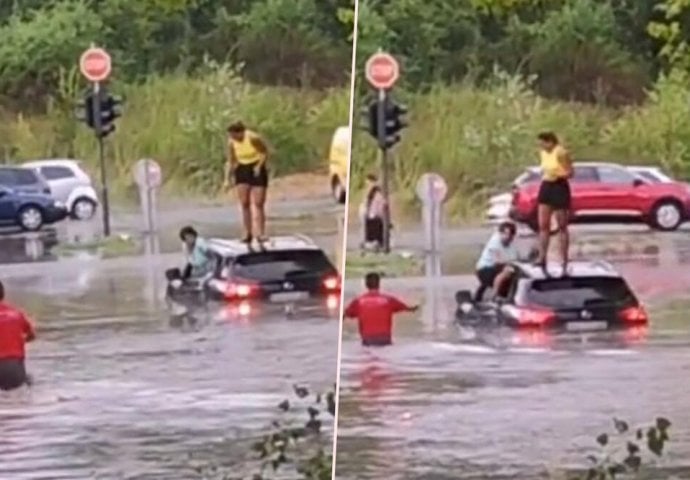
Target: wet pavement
pixel 447 403
pixel 122 392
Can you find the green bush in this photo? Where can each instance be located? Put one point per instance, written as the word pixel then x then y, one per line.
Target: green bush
pixel 180 122
pixel 480 138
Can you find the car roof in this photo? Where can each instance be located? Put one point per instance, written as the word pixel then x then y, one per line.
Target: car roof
pixel 62 162
pixel 596 268
pixel 233 247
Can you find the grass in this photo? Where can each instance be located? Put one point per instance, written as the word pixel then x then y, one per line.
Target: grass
pixel 479 139
pixel 394 265
pixel 180 122
pixel 112 247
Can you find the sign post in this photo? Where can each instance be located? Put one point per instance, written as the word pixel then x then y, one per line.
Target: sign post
pixel 95 64
pixel 432 190
pixel 382 73
pixel 148 177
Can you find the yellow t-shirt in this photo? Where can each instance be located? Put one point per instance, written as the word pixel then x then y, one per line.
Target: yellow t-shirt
pixel 551 166
pixel 245 151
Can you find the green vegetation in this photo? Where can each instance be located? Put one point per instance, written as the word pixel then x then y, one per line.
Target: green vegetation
pixel 357 265
pixel 624 453
pixel 482 77
pixel 186 68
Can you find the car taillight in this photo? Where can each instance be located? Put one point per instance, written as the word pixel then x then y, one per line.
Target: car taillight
pixel 240 290
pixel 331 283
pixel 636 314
pixel 535 317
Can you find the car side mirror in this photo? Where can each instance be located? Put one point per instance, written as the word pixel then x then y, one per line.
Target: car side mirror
pixel 638 182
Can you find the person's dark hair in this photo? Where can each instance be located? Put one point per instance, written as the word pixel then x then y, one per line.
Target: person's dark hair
pixel 237 127
pixel 548 137
pixel 508 227
pixel 2 292
pixel 187 231
pixel 372 177
pixel 372 281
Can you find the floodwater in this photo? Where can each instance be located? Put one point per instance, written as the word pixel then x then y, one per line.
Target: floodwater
pixel 449 403
pixel 120 392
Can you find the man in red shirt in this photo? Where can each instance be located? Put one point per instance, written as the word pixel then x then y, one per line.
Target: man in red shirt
pixel 374 311
pixel 15 331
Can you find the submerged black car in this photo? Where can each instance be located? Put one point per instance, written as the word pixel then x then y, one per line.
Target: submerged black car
pixel 593 296
pixel 287 269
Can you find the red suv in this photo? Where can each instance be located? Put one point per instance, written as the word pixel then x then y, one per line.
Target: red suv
pixel 605 192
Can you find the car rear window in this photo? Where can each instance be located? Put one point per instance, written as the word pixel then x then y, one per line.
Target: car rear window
pixel 18 177
pixel 56 172
pixel 579 292
pixel 281 265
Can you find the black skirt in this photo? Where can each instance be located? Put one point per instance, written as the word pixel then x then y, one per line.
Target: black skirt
pixel 555 194
pixel 373 230
pixel 244 175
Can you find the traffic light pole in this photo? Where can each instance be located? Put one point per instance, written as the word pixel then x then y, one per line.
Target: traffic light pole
pixel 98 128
pixel 381 130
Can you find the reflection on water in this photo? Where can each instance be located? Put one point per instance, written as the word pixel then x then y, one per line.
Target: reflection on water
pixel 454 403
pixel 28 247
pixel 121 393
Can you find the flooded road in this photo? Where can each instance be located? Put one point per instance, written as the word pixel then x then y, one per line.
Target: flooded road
pixel 448 403
pixel 121 393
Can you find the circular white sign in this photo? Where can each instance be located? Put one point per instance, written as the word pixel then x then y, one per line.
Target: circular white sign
pixel 147 173
pixel 382 70
pixel 431 187
pixel 95 64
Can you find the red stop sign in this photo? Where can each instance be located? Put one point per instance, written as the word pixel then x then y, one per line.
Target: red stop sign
pixel 95 64
pixel 382 71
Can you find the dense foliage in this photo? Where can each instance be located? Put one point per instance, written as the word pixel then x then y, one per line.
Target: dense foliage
pixel 186 69
pixel 481 77
pixel 280 42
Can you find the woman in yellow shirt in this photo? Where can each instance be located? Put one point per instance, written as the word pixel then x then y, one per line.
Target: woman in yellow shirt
pixel 554 196
pixel 246 165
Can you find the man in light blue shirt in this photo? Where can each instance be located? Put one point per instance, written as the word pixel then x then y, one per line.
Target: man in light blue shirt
pixel 196 251
pixel 493 267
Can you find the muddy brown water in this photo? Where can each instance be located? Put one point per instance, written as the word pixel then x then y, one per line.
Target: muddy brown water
pixel 121 393
pixel 448 403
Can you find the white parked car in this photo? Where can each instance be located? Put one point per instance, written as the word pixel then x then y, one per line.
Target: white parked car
pixel 499 205
pixel 69 184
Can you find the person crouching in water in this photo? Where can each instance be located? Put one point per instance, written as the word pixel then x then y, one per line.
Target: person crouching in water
pixel 374 311
pixel 199 260
pixel 372 212
pixel 493 268
pixel 15 331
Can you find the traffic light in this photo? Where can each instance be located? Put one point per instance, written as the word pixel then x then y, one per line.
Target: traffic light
pixel 108 108
pixel 371 119
pixel 395 122
pixel 84 110
pixel 111 109
pixel 393 118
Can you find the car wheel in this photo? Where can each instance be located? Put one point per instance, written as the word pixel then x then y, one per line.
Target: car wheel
pixel 30 218
pixel 666 216
pixel 338 191
pixel 83 209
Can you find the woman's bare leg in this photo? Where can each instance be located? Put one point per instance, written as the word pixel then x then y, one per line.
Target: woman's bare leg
pixel 258 195
pixel 544 213
pixel 562 218
pixel 245 206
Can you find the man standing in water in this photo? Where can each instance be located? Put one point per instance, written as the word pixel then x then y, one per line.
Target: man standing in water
pixel 554 196
pixel 15 332
pixel 374 311
pixel 247 157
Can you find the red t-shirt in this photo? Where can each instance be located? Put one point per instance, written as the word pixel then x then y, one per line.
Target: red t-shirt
pixel 14 330
pixel 375 310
